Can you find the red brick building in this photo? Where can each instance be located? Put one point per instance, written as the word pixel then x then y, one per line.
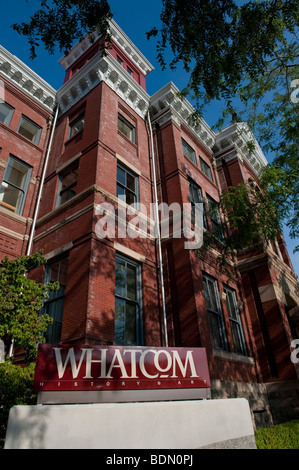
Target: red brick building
pixel 101 157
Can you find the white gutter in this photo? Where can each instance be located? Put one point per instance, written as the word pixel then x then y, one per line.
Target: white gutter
pixel 30 241
pixel 158 232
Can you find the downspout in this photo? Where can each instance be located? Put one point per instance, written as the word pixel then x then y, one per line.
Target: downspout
pixel 158 232
pixel 30 241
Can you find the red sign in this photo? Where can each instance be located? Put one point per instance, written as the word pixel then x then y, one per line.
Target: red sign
pixel 86 367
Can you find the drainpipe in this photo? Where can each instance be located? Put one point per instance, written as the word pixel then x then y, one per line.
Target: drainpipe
pixel 29 246
pixel 30 241
pixel 158 231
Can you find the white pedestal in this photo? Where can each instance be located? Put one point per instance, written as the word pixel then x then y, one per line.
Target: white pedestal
pixel 152 425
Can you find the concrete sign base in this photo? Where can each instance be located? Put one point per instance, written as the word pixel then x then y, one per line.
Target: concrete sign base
pixel 190 424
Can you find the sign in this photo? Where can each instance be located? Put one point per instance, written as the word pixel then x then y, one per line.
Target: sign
pixel 93 367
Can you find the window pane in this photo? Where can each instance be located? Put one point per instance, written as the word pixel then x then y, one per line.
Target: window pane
pixel 215 313
pixel 6 113
pixel 216 336
pixel 17 175
pixel 58 272
pixel 235 321
pixel 236 338
pixel 55 310
pixel 76 126
pixel 131 282
pixel 121 193
pixel 29 129
pixel 120 315
pixel 54 305
pixel 14 185
pixel 130 197
pixel 188 151
pixel 121 176
pixel 126 128
pixel 120 278
pixel 205 168
pixel 212 295
pixel 10 197
pixel 130 182
pixel 131 317
pixel 68 185
pixel 127 183
pixel 69 179
pixel 231 305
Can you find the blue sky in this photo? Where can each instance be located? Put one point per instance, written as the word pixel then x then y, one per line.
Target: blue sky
pixel 135 21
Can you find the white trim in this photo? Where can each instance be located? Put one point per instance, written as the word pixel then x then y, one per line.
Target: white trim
pixel 128 164
pixel 68 163
pixel 120 38
pixel 166 105
pixel 128 252
pixel 26 80
pixel 108 70
pixel 12 233
pixel 59 251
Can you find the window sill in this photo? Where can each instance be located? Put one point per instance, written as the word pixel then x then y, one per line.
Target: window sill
pixel 127 139
pixel 231 356
pixel 74 137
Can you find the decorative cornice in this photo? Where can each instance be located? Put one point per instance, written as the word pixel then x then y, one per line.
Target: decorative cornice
pixel 130 49
pixel 166 105
pixel 27 81
pixel 238 136
pixel 105 69
pixel 120 38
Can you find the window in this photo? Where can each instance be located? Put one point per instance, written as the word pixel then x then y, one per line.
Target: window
pixel 235 321
pixel 67 187
pixel 77 125
pixel 215 218
pixel 188 151
pixel 6 112
pixel 129 71
pixel 126 128
pixel 205 168
pixel 127 185
pixel 15 184
pixel 128 323
pixel 196 198
pixel 53 306
pixel 215 313
pixel 29 129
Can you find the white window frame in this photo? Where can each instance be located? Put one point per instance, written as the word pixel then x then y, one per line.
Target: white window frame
pixel 36 138
pixel 9 115
pixel 18 209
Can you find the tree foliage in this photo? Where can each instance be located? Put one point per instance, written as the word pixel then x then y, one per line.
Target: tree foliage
pixel 21 300
pixel 250 222
pixel 247 56
pixel 61 22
